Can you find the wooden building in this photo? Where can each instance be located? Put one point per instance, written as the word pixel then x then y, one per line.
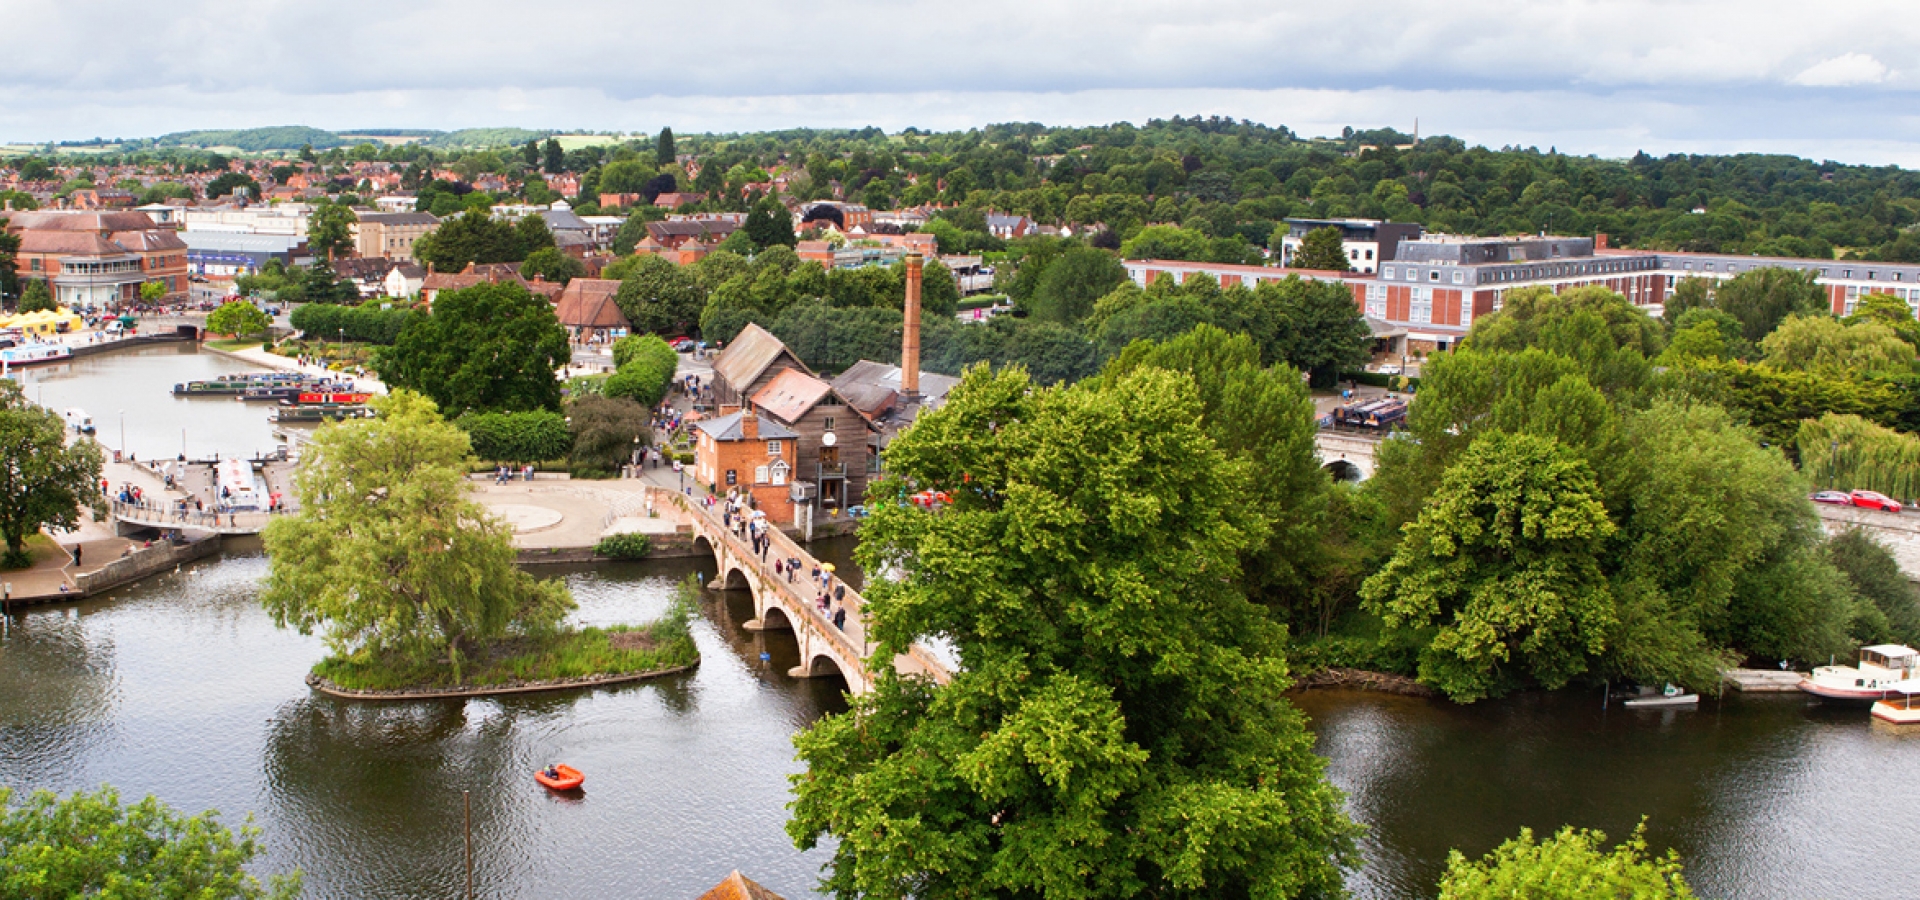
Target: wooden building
pixel 833 458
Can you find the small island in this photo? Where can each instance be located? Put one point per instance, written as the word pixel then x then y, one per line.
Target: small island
pixel 414 585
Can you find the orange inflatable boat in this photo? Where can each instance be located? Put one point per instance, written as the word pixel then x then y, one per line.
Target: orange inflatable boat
pixel 565 778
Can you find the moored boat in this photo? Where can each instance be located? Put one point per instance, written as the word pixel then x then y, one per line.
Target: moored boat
pixel 34 354
pixel 289 411
pixel 1672 696
pixel 560 778
pixel 1899 709
pixel 1881 667
pixel 230 385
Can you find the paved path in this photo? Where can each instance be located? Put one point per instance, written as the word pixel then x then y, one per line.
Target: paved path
pixel 260 357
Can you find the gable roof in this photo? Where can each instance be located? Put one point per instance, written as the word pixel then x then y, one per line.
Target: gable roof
pixel 874 387
pixel 790 394
pixel 739 887
pixel 728 428
pixel 588 303
pixel 749 355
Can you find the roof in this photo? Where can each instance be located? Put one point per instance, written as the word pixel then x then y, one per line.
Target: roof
pixel 150 239
pixel 236 242
pixel 410 270
pixel 749 355
pixel 739 887
pixel 363 267
pixel 100 222
pixel 84 243
pixel 398 218
pixel 558 219
pixel 588 303
pixel 790 394
pixel 1891 649
pixel 873 387
pixel 727 428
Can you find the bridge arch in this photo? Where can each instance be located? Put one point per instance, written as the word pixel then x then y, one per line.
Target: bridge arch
pixel 1346 470
pixel 821 665
pixel 774 618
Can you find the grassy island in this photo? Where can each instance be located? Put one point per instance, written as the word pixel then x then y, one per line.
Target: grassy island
pixel 414 584
pixel 564 655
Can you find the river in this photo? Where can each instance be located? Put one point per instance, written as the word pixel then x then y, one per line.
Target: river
pixel 183 688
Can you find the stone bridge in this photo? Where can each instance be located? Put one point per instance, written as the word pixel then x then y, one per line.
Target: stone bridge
pixel 1347 455
pixel 128 516
pixel 783 603
pixel 1898 532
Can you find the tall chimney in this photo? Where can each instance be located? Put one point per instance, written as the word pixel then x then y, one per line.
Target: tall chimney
pixel 910 334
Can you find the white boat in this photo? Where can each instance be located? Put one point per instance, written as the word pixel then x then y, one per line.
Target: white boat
pixel 1672 696
pixel 1881 667
pixel 1899 709
pixel 233 479
pixel 34 354
pixel 78 420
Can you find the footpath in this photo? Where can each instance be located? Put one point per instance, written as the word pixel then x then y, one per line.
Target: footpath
pixel 261 357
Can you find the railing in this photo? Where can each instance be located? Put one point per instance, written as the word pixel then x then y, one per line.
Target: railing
pixel 171 515
pixel 785 548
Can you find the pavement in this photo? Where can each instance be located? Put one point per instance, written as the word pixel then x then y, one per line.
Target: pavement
pixel 258 356
pixel 560 513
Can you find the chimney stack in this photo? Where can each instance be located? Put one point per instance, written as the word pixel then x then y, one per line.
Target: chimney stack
pixel 910 334
pixel 750 425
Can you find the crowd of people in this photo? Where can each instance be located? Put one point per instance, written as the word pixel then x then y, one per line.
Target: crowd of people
pixel 737 514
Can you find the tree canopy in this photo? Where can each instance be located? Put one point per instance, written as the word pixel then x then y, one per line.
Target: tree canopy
pixel 91 845
pixel 389 555
pixel 43 480
pixel 1574 864
pixel 1120 727
pixel 238 317
pixel 1323 249
pixel 490 347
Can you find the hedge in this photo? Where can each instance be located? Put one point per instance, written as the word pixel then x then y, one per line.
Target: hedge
pixel 364 324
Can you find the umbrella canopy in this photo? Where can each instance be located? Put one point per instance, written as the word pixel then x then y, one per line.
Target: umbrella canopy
pixel 827 566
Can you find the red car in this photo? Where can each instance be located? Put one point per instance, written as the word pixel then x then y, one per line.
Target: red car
pixel 1875 500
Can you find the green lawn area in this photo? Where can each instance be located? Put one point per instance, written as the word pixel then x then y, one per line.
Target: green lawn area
pixel 564 655
pixel 232 345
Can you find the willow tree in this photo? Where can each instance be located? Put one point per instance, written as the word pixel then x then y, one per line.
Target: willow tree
pixel 1119 728
pixel 1849 452
pixel 43 480
pixel 389 555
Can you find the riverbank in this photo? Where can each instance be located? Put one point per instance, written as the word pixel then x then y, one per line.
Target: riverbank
pixel 261 357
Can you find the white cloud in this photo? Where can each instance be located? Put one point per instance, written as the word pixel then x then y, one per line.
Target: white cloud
pixel 1590 76
pixel 1844 70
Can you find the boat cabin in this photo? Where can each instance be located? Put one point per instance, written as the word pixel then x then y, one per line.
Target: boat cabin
pixel 1896 662
pixel 234 479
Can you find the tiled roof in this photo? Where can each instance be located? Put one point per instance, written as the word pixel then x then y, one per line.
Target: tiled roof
pixel 739 887
pixel 85 243
pixel 588 303
pixel 749 355
pixel 150 239
pixel 399 218
pixel 790 394
pixel 872 387
pixel 99 222
pixel 727 428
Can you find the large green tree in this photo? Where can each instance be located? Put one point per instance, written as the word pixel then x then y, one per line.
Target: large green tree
pixel 238 317
pixel 1504 564
pixel 330 230
pixel 1072 282
pixel 490 347
pixel 1323 250
pixel 1825 346
pixel 552 264
pixel 517 437
pixel 1120 727
pixel 1572 865
pixel 389 554
pixel 90 845
pixel 660 297
pixel 769 225
pixel 43 479
pixel 1322 331
pixel 474 237
pixel 664 151
pixel 36 297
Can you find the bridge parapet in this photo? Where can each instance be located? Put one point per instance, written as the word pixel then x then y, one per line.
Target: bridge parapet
pixel 171 516
pixel 816 634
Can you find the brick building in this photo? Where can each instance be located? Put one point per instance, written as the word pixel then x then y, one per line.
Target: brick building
pixel 830 460
pixel 743 451
pixel 391 235
pixel 99 258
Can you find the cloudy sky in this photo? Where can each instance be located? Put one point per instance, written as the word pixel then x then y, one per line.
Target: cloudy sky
pixel 1832 80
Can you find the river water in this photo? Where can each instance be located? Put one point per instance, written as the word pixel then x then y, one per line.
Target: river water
pixel 181 687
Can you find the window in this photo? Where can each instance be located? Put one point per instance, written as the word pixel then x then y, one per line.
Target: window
pixel 1386 272
pixel 1422 307
pixel 1458 278
pixel 829 456
pixel 759 474
pixel 827 423
pixel 1433 275
pixel 1377 301
pixel 1369 255
pixel 773 448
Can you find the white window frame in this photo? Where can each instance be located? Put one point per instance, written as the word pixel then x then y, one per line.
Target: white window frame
pixel 773 448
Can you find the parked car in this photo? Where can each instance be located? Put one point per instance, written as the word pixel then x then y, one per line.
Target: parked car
pixel 1875 500
pixel 1837 498
pixel 684 345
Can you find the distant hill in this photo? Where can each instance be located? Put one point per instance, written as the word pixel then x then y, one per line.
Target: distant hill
pixel 479 138
pixel 254 140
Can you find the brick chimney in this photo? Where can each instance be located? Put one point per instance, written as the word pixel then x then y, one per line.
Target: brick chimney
pixel 750 425
pixel 1600 240
pixel 910 334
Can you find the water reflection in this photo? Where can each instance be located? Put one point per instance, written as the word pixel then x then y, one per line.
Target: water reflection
pixel 182 687
pixel 1751 790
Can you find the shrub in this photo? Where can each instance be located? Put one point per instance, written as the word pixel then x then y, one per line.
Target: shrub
pixel 631 545
pixel 518 437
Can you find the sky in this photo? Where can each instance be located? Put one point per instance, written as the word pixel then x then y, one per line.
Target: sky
pixel 1834 80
